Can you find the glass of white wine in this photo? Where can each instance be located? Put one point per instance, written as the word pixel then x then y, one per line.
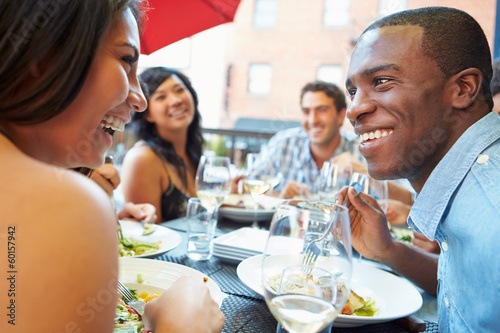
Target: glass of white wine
pixel 257 188
pixel 307 298
pixel 213 181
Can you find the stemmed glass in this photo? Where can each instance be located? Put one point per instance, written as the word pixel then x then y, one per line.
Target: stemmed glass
pixel 333 177
pixel 378 189
pixel 301 297
pixel 255 184
pixel 257 187
pixel 213 181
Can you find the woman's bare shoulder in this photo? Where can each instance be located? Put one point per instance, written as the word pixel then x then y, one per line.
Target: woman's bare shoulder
pixel 65 229
pixel 141 158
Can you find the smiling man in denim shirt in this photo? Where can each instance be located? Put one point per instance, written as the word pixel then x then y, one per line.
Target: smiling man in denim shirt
pixel 423 77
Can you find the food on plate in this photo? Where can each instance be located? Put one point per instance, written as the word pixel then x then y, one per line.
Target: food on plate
pixel 402 234
pixel 358 306
pixel 355 305
pixel 127 320
pixel 148 229
pixel 132 247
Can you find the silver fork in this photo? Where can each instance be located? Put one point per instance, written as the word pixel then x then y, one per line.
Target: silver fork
pixel 312 251
pixel 137 305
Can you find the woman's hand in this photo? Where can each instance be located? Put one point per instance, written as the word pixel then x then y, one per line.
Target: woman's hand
pixel 137 212
pixel 185 307
pixel 107 177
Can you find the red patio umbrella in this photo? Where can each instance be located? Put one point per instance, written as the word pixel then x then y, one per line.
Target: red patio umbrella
pixel 171 20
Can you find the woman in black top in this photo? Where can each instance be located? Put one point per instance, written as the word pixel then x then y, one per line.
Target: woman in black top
pixel 161 167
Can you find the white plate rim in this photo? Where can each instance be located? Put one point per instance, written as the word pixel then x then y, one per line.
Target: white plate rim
pixel 170 239
pixel 253 264
pixel 246 215
pixel 162 274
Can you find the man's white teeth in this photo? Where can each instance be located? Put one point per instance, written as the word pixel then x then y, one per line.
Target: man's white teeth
pixel 374 135
pixel 115 124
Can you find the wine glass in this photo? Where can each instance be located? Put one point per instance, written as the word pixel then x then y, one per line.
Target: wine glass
pixel 333 177
pixel 378 189
pixel 296 223
pixel 257 187
pixel 213 181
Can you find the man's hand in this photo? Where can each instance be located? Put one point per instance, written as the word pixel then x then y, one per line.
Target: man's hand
pixel 369 231
pixel 293 189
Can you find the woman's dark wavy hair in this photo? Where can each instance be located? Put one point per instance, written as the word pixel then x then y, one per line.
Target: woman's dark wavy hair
pixel 145 130
pixel 60 36
pixel 451 37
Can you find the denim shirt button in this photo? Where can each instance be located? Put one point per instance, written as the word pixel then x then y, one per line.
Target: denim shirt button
pixel 444 246
pixel 482 159
pixel 446 302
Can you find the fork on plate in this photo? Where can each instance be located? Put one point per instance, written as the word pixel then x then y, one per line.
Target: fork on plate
pixel 312 251
pixel 130 299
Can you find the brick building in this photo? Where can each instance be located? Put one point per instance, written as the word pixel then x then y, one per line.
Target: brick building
pixel 275 46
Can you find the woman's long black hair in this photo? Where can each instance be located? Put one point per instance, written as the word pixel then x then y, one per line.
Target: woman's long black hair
pixel 145 130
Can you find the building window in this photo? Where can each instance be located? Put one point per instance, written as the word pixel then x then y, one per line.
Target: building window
pixel 259 79
pixel 336 13
pixel 330 73
pixel 265 13
pixel 387 7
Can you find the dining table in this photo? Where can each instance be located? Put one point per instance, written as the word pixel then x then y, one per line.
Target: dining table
pixel 246 311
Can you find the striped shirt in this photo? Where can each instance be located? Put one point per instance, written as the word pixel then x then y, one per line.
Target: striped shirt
pixel 288 155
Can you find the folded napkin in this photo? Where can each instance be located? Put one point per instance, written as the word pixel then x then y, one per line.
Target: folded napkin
pixel 241 243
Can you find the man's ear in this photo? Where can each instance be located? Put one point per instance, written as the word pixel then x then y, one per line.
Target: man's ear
pixel 467 87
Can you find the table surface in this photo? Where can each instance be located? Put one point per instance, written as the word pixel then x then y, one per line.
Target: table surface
pixel 245 310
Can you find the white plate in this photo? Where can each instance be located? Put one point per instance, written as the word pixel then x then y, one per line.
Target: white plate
pixel 244 239
pixel 243 215
pixel 395 297
pixel 248 214
pixel 159 275
pixel 168 237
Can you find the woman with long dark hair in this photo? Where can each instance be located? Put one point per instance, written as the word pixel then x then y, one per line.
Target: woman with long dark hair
pixel 161 167
pixel 69 82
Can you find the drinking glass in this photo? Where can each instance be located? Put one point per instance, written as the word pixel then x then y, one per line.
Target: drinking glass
pixel 257 187
pixel 201 225
pixel 297 223
pixel 377 189
pixel 213 181
pixel 333 177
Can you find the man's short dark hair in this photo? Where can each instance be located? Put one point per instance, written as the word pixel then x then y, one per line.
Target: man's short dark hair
pixel 330 89
pixel 451 37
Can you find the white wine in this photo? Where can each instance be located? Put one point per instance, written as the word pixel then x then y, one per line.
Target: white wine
pixel 256 188
pixel 302 313
pixel 210 198
pixel 274 181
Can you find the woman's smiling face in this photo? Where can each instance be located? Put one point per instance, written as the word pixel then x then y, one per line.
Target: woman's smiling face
pixel 171 107
pixel 82 133
pixel 399 103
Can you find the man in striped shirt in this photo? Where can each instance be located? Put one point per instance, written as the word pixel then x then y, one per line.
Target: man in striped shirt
pixel 297 155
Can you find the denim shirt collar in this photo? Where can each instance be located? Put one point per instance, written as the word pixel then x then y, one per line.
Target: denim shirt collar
pixel 431 203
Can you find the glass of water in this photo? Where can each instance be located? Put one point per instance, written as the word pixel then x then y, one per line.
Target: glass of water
pixel 201 223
